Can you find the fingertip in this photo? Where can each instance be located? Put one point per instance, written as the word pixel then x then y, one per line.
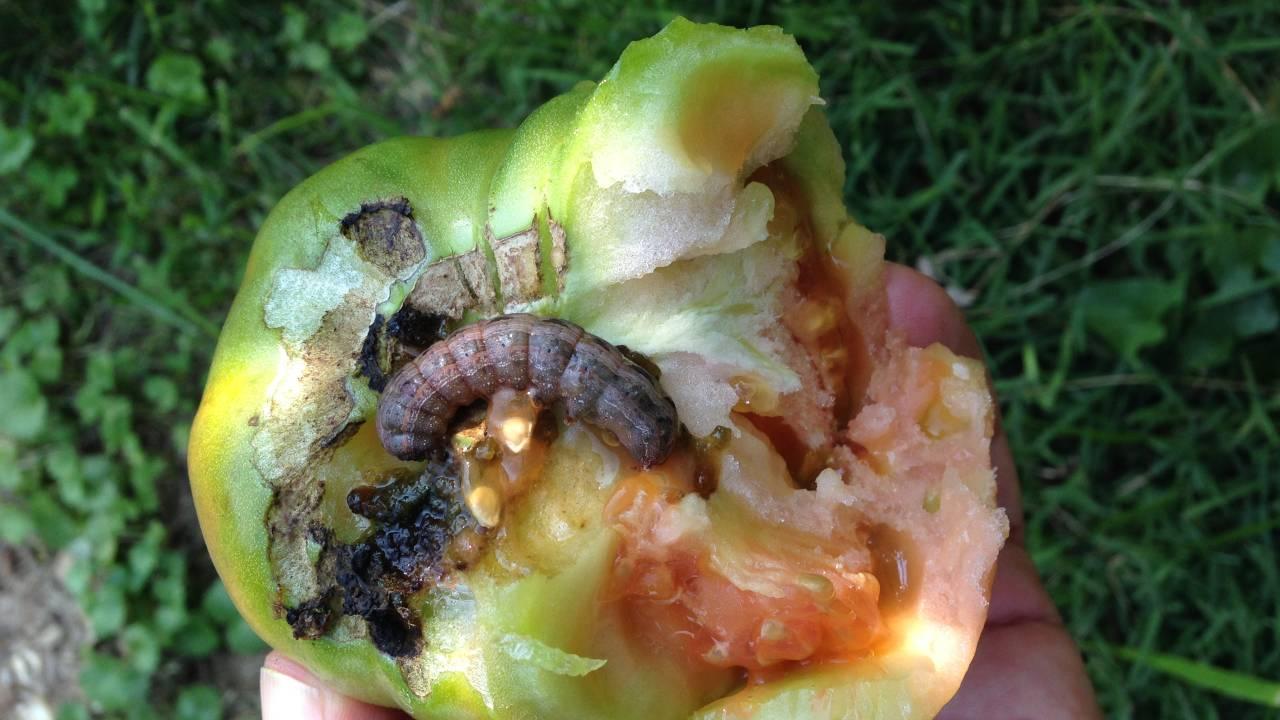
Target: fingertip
pixel 925 314
pixel 290 691
pixel 1017 594
pixel 285 696
pixel 286 666
pixel 1025 670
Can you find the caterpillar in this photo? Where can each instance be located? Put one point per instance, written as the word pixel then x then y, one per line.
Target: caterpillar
pixel 552 359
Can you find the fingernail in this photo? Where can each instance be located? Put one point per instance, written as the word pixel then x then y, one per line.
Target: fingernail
pixel 287 698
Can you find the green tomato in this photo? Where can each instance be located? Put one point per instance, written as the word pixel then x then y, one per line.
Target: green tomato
pixel 687 206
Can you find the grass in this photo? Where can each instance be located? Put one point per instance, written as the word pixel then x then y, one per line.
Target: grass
pixel 1099 180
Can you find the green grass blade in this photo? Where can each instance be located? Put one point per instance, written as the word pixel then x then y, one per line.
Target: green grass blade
pixel 184 321
pixel 284 125
pixel 1224 682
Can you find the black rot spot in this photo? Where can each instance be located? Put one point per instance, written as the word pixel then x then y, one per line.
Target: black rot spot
pixel 369 363
pixel 365 582
pixel 416 331
pixel 400 495
pixel 416 517
pixel 310 619
pixel 390 343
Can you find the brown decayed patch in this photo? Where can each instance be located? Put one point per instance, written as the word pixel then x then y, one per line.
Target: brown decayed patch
pixel 295 438
pixel 451 286
pixel 311 414
pixel 442 290
pixel 385 234
pixel 518 261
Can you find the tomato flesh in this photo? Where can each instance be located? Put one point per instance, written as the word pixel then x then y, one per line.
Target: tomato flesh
pixel 675 594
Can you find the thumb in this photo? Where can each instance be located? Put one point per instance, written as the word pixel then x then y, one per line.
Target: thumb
pixel 290 692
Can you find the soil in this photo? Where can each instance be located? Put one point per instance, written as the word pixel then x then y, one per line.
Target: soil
pixel 41 633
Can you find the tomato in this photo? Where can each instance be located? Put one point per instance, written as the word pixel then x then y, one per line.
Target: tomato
pixel 819 542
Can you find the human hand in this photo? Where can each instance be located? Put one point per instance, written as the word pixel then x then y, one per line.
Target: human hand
pixel 1026 666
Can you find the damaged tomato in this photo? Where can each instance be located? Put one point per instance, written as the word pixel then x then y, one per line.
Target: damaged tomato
pixel 687 473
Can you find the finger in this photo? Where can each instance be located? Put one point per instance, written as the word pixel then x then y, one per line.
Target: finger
pixel 1024 670
pixel 925 314
pixel 290 692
